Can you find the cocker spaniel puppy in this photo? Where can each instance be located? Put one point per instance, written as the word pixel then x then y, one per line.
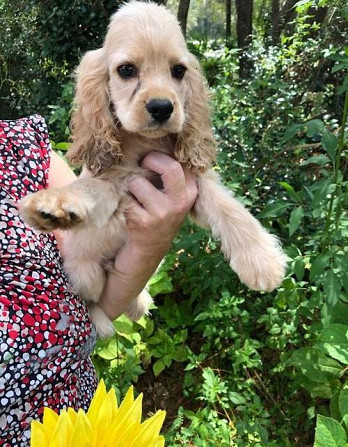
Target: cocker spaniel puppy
pixel 143 91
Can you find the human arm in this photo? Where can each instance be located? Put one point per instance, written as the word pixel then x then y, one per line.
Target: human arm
pixel 59 175
pixel 153 221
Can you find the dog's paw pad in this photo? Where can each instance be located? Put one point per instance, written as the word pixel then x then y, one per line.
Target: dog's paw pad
pixel 48 210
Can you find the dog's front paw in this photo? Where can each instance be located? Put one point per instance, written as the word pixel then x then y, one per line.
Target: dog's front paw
pixel 50 209
pixel 261 266
pixel 140 306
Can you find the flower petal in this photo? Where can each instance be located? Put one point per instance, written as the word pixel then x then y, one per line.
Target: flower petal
pixel 63 432
pixel 129 403
pixel 129 413
pixel 103 423
pixel 107 414
pixel 50 419
pixel 72 415
pixel 128 400
pixel 149 432
pixel 112 402
pixel 83 431
pixel 160 442
pixel 38 436
pixel 97 401
pixel 123 436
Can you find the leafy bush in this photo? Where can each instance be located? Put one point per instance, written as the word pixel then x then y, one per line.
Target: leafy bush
pixel 41 43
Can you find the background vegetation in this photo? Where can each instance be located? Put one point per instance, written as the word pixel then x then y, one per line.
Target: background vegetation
pixel 231 367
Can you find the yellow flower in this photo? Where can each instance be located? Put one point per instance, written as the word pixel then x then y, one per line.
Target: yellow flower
pixel 104 425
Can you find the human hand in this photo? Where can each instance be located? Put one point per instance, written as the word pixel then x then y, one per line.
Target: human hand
pixel 156 215
pixel 153 220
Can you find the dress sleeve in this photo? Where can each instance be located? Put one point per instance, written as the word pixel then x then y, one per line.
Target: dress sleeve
pixel 25 153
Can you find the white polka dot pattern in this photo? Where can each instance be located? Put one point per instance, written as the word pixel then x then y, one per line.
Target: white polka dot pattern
pixel 46 334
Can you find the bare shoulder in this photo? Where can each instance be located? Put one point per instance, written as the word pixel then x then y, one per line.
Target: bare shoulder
pixel 60 174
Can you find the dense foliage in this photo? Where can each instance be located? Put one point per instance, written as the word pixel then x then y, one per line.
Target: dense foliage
pixel 41 42
pixel 234 367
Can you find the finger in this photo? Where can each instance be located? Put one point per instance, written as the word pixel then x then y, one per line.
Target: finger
pixel 170 170
pixel 145 193
pixel 135 214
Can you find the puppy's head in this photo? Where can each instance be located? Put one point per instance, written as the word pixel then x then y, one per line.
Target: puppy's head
pixel 145 81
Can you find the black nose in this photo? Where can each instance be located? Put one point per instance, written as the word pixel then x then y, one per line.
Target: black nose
pixel 160 109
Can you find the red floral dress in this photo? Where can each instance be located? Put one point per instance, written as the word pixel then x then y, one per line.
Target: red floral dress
pixel 46 334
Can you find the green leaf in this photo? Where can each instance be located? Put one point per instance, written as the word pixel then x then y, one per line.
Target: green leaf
pixel 110 352
pixel 334 406
pixel 292 131
pixel 167 360
pixel 320 160
pixel 330 143
pixel 314 365
pixel 302 6
pixel 274 209
pixel 290 190
pixel 296 217
pixel 62 146
pixel 160 283
pixel 318 266
pixel 158 367
pixel 299 269
pixel 329 433
pixel 316 389
pixel 236 398
pixel 323 189
pixel 333 341
pixel 123 325
pixel 343 402
pixel 344 86
pixel 314 127
pixel 345 422
pixel 339 67
pixel 345 281
pixel 180 354
pixel 332 288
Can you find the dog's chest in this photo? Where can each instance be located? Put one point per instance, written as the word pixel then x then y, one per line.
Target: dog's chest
pixel 136 148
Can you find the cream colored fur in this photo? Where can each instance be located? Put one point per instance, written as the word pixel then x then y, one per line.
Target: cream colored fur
pixel 113 131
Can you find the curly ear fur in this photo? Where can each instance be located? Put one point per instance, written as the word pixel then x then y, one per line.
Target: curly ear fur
pixel 195 145
pixel 94 128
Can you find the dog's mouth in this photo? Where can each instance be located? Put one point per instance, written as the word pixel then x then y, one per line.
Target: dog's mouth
pixel 153 129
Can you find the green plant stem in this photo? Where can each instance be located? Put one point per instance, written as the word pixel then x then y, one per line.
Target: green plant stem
pixel 336 170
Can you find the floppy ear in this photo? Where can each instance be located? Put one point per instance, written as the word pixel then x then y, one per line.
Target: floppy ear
pixel 95 136
pixel 195 145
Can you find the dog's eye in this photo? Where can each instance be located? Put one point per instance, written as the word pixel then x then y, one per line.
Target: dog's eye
pixel 126 71
pixel 178 71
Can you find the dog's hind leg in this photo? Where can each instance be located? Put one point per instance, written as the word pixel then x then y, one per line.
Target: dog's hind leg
pixel 87 277
pixel 139 306
pixel 253 253
pixel 102 322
